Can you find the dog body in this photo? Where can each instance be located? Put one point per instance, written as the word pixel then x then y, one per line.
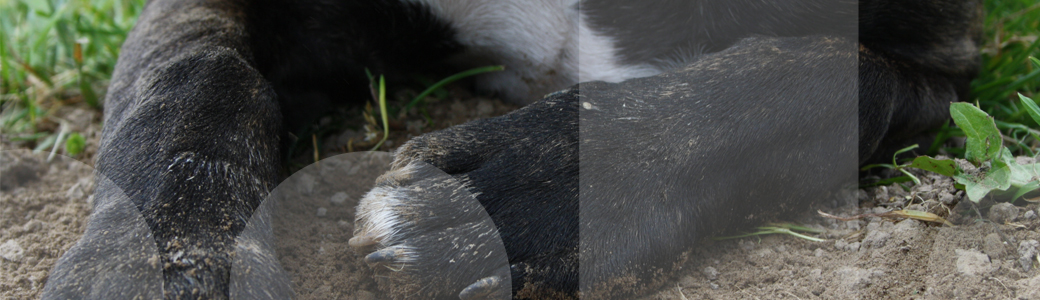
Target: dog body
pixel 648 125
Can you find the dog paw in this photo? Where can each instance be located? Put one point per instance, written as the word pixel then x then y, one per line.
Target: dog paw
pixel 430 238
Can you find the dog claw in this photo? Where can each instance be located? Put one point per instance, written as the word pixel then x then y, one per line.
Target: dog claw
pixel 382 256
pixel 480 289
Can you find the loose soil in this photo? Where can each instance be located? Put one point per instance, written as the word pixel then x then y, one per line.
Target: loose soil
pixel 990 252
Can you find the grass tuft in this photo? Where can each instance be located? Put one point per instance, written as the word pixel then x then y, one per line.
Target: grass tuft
pixel 1010 30
pixel 55 53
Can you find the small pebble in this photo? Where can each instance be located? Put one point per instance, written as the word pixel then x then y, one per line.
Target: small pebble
pixel 75 192
pixel 852 246
pixel 32 226
pixel 1003 212
pixel 819 252
pixel 993 246
pixel 322 211
pixel 1029 215
pixel 876 239
pixel 746 245
pixel 11 250
pixel 815 273
pixel 688 281
pixel 947 198
pixel 304 183
pixel 338 198
pixel 1027 251
pixel 852 225
pixel 973 262
pixel 764 252
pixel 711 273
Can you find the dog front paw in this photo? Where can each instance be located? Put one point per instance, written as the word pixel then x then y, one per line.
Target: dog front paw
pixel 430 237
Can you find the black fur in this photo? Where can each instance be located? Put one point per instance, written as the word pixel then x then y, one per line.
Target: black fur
pixel 315 52
pixel 662 31
pixel 594 190
pixel 194 117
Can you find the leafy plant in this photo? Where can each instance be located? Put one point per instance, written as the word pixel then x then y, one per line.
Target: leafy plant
pixel 987 165
pixel 1010 29
pixel 55 53
pixel 898 167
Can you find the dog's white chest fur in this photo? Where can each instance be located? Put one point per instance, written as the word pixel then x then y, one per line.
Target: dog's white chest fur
pixel 546 45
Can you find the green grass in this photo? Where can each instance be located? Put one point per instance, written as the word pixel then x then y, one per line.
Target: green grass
pixel 40 72
pixel 55 53
pixel 1011 30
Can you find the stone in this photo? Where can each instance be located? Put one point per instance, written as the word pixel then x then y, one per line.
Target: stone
pixel 339 198
pixel 1002 213
pixel 711 273
pixel 971 262
pixel 875 239
pixel 12 251
pixel 1027 251
pixel 993 246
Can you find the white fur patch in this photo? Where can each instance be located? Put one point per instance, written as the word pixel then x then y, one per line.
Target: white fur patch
pixel 377 215
pixel 529 37
pixel 597 59
pixel 544 44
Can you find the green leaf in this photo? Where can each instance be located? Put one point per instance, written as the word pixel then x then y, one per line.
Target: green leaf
pixel 74 144
pixel 1036 62
pixel 1030 106
pixel 942 166
pixel 912 177
pixel 1032 186
pixel 983 138
pixel 901 151
pixel 979 184
pixel 1022 175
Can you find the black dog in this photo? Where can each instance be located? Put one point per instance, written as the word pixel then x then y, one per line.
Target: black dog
pixel 692 116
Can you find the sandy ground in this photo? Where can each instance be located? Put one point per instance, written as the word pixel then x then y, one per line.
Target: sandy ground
pixel 990 253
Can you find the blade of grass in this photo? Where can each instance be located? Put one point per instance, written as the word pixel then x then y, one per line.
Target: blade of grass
pixel 904 213
pixel 382 111
pixel 84 85
pixel 788 230
pixel 1031 107
pixel 451 79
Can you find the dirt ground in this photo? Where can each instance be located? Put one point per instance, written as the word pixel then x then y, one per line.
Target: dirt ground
pixel 990 253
